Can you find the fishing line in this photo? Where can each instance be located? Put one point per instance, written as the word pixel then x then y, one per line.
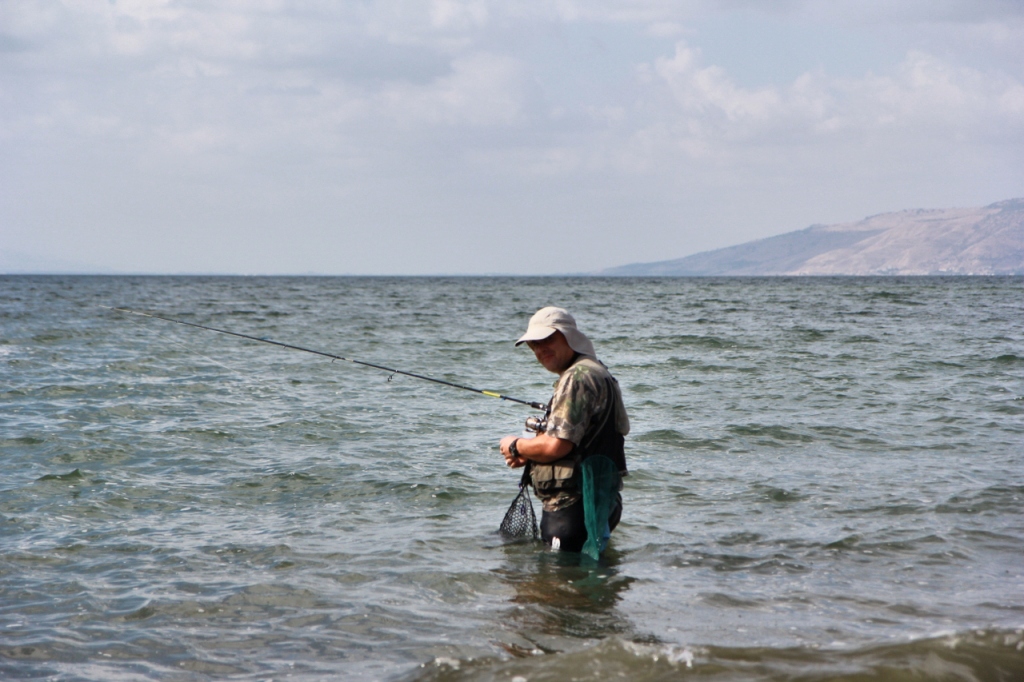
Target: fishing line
pixel 392 371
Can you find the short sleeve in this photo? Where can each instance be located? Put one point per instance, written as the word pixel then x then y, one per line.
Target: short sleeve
pixel 579 395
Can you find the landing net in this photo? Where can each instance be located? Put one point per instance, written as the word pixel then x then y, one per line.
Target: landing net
pixel 520 522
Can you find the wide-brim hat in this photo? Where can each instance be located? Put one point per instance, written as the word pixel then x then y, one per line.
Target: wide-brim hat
pixel 547 321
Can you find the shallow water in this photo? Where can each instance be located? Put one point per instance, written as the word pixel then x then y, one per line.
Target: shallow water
pixel 827 482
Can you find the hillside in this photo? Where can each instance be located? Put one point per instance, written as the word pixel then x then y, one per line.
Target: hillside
pixel 955 241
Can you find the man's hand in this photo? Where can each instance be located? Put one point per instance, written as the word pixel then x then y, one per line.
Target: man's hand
pixel 511 460
pixel 542 448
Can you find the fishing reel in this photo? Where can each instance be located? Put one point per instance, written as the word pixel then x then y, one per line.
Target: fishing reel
pixel 537 424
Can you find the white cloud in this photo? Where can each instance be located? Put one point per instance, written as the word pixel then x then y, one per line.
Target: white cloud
pixel 707 92
pixel 458 14
pixel 924 95
pixel 483 89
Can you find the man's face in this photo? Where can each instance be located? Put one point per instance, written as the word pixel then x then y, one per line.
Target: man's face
pixel 553 352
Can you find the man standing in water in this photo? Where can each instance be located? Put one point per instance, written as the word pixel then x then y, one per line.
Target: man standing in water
pixel 586 421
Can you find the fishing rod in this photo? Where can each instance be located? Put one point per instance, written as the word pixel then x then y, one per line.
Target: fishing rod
pixel 492 394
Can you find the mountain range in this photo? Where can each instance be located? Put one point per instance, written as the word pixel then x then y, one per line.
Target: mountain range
pixel 953 241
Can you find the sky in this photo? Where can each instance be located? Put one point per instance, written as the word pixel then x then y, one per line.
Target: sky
pixel 391 137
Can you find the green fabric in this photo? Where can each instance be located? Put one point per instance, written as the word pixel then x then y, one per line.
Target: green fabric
pixel 600 483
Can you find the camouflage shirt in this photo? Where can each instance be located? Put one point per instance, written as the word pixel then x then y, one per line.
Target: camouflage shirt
pixel 578 407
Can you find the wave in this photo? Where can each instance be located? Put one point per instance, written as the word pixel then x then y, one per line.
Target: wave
pixel 974 656
pixel 1007 359
pixel 995 497
pixel 692 341
pixel 769 434
pixel 675 439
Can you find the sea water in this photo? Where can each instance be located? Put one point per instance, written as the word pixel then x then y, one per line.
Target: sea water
pixel 826 481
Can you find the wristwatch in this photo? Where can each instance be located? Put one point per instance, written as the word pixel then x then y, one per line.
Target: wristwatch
pixel 513 449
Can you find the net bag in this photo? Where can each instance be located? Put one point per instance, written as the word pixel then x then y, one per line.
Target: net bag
pixel 600 485
pixel 520 523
